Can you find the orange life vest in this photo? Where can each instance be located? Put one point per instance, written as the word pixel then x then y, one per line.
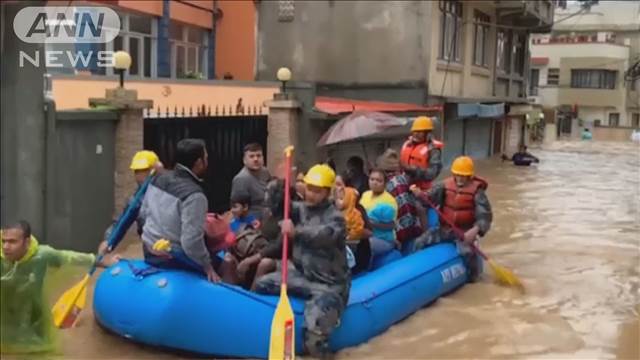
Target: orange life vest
pixel 417 154
pixel 459 203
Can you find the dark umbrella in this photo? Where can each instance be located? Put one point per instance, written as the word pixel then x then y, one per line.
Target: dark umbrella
pixel 359 124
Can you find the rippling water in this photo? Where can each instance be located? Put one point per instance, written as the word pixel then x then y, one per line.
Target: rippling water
pixel 569 227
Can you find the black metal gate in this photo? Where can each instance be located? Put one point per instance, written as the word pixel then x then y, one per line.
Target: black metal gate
pixel 225 137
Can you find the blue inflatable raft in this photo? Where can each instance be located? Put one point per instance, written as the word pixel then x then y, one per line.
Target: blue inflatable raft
pixel 181 310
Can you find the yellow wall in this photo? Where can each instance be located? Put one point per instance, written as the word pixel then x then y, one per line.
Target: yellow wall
pixel 74 93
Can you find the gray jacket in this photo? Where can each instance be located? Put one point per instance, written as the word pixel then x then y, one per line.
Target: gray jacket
pixel 175 208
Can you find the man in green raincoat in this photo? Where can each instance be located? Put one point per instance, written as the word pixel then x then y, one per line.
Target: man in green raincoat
pixel 26 276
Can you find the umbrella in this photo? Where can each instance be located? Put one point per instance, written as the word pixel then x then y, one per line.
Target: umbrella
pixel 359 124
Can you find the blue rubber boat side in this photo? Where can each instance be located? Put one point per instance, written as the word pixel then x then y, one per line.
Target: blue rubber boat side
pixel 181 310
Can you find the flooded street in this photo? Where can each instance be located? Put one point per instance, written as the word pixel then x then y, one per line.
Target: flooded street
pixel 569 228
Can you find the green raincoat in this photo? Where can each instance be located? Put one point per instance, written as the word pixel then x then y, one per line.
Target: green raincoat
pixel 25 302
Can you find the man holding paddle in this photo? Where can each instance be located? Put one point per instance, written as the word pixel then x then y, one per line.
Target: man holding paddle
pixel 466 211
pixel 27 268
pixel 318 269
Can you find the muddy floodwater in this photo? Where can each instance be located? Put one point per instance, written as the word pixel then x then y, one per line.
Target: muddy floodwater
pixel 569 227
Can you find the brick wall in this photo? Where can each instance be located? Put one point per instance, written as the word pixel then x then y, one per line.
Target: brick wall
pixel 128 141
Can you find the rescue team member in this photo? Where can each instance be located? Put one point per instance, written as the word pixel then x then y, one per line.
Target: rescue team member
pixel 142 164
pixel 422 152
pixel 175 209
pixel 27 271
pixel 318 269
pixel 464 203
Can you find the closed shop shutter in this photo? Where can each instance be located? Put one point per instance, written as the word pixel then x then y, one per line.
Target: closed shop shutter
pixel 477 137
pixel 453 145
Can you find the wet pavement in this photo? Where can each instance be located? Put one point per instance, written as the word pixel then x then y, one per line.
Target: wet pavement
pixel 570 229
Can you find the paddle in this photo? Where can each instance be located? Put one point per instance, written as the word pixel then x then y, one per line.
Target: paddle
pixel 503 274
pixel 71 302
pixel 282 342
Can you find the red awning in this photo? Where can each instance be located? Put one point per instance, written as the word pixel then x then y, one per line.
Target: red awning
pixel 539 60
pixel 335 106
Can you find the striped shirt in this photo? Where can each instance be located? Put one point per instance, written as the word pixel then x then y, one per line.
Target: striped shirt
pixel 407 224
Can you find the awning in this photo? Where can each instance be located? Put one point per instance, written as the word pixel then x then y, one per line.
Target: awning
pixel 480 110
pixel 335 106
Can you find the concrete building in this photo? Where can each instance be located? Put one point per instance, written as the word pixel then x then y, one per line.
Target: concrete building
pixel 469 56
pixel 581 70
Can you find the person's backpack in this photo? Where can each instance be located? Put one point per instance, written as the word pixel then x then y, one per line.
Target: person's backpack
pixel 248 243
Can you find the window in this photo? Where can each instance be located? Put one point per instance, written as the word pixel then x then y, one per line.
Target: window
pixel 188 51
pixel 635 120
pixel 593 79
pixel 614 119
pixel 504 50
pixel 481 39
pixel 450 30
pixel 534 80
pixel 138 38
pixel 553 76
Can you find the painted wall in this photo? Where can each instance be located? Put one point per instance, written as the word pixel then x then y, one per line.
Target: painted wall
pixel 464 79
pixel 612 134
pixel 346 41
pixel 74 92
pixel 235 32
pixel 236 40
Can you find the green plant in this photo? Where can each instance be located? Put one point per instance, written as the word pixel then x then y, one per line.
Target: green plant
pixel 191 75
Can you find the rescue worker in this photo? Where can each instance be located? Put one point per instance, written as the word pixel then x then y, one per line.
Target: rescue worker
pixel 422 152
pixel 318 270
pixel 30 274
pixel 464 203
pixel 142 163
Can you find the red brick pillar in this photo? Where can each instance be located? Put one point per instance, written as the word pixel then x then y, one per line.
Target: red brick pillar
pixel 284 115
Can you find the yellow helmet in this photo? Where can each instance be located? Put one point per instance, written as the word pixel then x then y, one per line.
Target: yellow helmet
pixel 320 175
pixel 463 166
pixel 144 160
pixel 422 123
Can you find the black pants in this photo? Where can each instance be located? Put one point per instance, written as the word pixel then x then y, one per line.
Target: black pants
pixel 362 253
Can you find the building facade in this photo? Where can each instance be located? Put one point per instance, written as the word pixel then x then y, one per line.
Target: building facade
pixel 581 71
pixel 176 39
pixel 469 56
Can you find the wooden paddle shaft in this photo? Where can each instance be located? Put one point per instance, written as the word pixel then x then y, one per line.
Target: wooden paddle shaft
pixel 287 201
pixel 455 229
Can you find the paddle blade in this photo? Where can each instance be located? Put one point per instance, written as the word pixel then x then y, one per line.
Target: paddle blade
pixel 66 310
pixel 282 343
pixel 506 276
